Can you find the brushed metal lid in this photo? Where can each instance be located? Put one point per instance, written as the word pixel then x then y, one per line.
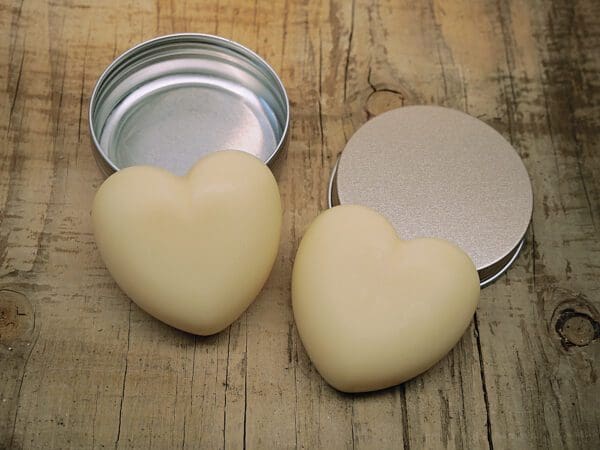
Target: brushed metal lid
pixel 170 100
pixel 438 172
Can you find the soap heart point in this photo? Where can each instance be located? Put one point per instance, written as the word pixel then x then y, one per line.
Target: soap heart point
pixel 373 311
pixel 192 251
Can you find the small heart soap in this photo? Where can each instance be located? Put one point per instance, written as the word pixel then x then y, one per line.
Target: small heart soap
pixel 372 310
pixel 192 251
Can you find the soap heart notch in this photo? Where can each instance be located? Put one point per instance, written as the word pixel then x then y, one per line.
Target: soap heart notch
pixel 192 251
pixel 372 310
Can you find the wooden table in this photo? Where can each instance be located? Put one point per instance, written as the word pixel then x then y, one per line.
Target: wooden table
pixel 82 367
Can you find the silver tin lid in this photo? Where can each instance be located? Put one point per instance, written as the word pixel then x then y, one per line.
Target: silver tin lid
pixel 437 172
pixel 170 100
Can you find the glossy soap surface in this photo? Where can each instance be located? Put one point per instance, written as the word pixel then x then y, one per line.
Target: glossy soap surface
pixel 373 310
pixel 192 251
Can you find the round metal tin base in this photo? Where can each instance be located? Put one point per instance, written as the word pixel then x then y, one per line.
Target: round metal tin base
pixel 436 172
pixel 490 274
pixel 169 101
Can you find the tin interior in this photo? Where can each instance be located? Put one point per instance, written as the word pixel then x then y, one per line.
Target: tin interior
pixel 436 172
pixel 169 101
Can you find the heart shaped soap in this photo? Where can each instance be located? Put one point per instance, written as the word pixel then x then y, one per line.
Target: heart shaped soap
pixel 192 251
pixel 372 310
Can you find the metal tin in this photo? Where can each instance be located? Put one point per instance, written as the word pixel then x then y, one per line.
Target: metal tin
pixel 437 172
pixel 170 100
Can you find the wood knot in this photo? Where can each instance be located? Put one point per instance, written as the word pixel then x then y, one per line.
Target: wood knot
pixel 383 100
pixel 16 316
pixel 575 320
pixel 576 328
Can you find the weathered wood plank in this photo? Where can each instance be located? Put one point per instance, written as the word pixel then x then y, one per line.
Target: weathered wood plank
pixel 532 400
pixel 80 366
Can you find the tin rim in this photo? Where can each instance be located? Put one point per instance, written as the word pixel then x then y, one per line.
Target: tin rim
pixel 122 59
pixel 487 275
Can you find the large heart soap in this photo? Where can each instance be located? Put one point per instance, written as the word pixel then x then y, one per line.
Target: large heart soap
pixel 192 251
pixel 372 310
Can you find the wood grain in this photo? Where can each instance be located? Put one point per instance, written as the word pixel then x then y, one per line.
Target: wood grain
pixel 83 367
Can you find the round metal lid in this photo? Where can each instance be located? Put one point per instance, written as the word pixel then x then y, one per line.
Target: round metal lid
pixel 438 172
pixel 170 100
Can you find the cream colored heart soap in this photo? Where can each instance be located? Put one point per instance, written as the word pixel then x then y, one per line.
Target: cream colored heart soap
pixel 192 251
pixel 372 310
